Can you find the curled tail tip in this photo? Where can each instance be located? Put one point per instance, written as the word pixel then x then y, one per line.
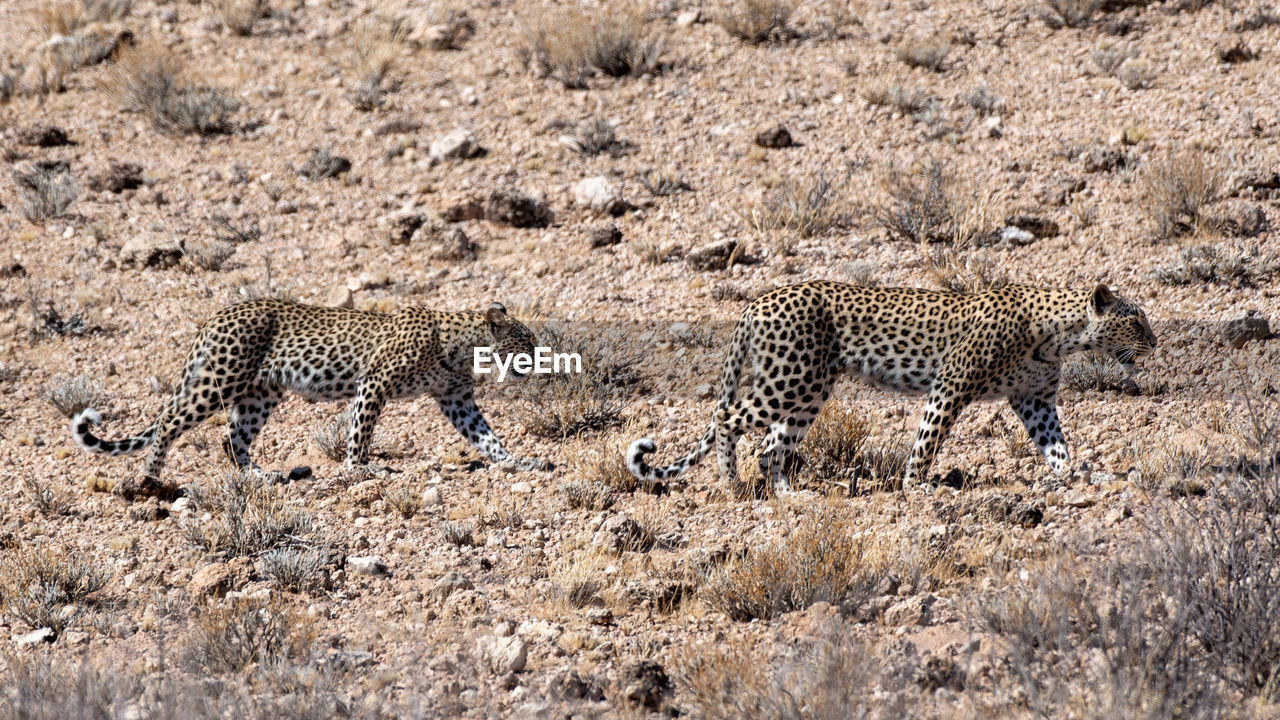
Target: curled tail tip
pixel 87 415
pixel 80 425
pixel 635 456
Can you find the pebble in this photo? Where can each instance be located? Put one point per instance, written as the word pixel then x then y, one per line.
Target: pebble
pixel 369 565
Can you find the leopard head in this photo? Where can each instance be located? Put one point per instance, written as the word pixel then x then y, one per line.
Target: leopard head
pixel 510 336
pixel 1118 327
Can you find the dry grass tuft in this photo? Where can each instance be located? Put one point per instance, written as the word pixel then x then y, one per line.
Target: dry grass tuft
pixel 912 102
pixel 827 559
pixel 595 136
pixel 230 638
pixel 404 501
pixel 47 190
pixel 1220 265
pixel 757 21
pixel 208 255
pixel 297 569
pixel 833 448
pixel 964 271
pixel 247 516
pixel 1071 13
pixel 562 405
pixel 928 205
pixel 926 52
pixel 331 437
pixel 154 80
pixel 807 207
pixel 449 25
pixel 73 394
pixel 598 472
pixel 65 18
pixel 458 534
pixel 1098 374
pixel 49 501
pixel 571 46
pixel 664 182
pixel 1175 188
pixel 377 44
pixel 49 587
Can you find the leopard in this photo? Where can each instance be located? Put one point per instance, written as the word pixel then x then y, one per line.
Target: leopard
pixel 953 347
pixel 248 354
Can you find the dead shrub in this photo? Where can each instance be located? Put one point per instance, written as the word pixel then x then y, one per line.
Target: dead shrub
pixel 50 317
pixel 231 637
pixel 571 46
pixel 595 136
pixel 664 182
pixel 458 534
pixel 964 271
pixel 909 101
pixel 49 501
pixel 1220 265
pixel 1174 189
pixel 830 679
pixel 825 559
pixel 49 586
pixel 377 44
pixel 247 516
pixel 1136 74
pixel 564 404
pixel 808 207
pixel 598 473
pixel 1071 13
pixel 404 501
pixel 154 80
pixel 208 255
pixel 579 579
pixel 331 437
pixel 832 449
pixel 984 101
pixel 591 495
pixel 65 18
pixel 928 205
pixel 73 394
pixel 929 52
pixel 757 21
pixel 47 190
pixel 449 25
pixel 323 163
pixel 297 569
pixel 1097 373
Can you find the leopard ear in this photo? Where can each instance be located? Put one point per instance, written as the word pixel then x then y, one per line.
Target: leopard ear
pixel 496 314
pixel 1102 297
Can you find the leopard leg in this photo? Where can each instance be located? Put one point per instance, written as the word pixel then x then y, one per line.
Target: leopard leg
pixel 1039 415
pixel 461 409
pixel 946 400
pixel 248 415
pixel 365 409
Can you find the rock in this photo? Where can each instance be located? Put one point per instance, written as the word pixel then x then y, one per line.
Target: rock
pixel 117 178
pixel 1247 222
pixel 688 18
pixel 448 584
pixel 402 226
pixel 367 565
pixel 600 616
pixel 1102 159
pixel 1034 224
pixel 465 210
pixel 915 610
pixel 324 164
pixel 365 493
pixel 1241 330
pixel 217 579
pixel 148 511
pixel 621 533
pixel 1028 514
pixel 645 684
pixel 1016 236
pixel 522 488
pixel 775 137
pixel 339 297
pixel 569 685
pixel 447 243
pixel 150 250
pixel 599 195
pixel 993 127
pixel 181 505
pixel 35 637
pixel 457 145
pixel 504 654
pixel 714 256
pixel 512 207
pixel 1078 499
pixel 41 135
pixel 604 235
pixel 431 497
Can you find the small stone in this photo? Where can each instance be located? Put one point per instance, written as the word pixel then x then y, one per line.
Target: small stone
pixel 150 250
pixel 993 127
pixel 599 195
pixel 448 584
pixel 463 211
pixel 645 683
pixel 1078 499
pixel 365 493
pixel 431 497
pixel 42 135
pixel 600 616
pixel 118 178
pixel 181 505
pixel 715 256
pixel 1016 236
pixel 217 579
pixel 688 18
pixel 402 225
pixel 368 565
pixel 340 297
pixel 915 610
pixel 522 488
pixel 1039 226
pixel 504 654
pixel 457 145
pixel 604 235
pixel 35 637
pixel 775 137
pixel 509 206
pixel 1244 329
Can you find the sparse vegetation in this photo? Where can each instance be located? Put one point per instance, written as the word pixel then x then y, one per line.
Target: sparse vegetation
pixel 49 587
pixel 1174 189
pixel 48 317
pixel 449 25
pixel 965 271
pixel 927 205
pixel 228 638
pixel 458 534
pixel 323 163
pixel 298 569
pixel 664 182
pixel 377 44
pixel 331 437
pixel 404 501
pixel 1071 13
pixel 48 500
pixel 984 101
pixel 757 21
pixel 806 207
pixel 1220 265
pixel 832 450
pixel 571 46
pixel 1136 74
pixel 926 52
pixel 909 101
pixel 595 136
pixel 208 254
pixel 73 394
pixel 1098 374
pixel 47 190
pixel 598 473
pixel 247 515
pixel 154 80
pixel 564 404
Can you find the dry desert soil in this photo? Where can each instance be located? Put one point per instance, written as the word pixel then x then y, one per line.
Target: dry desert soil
pixel 625 178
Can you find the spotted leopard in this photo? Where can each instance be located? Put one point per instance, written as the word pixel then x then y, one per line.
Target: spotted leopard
pixel 248 354
pixel 957 348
